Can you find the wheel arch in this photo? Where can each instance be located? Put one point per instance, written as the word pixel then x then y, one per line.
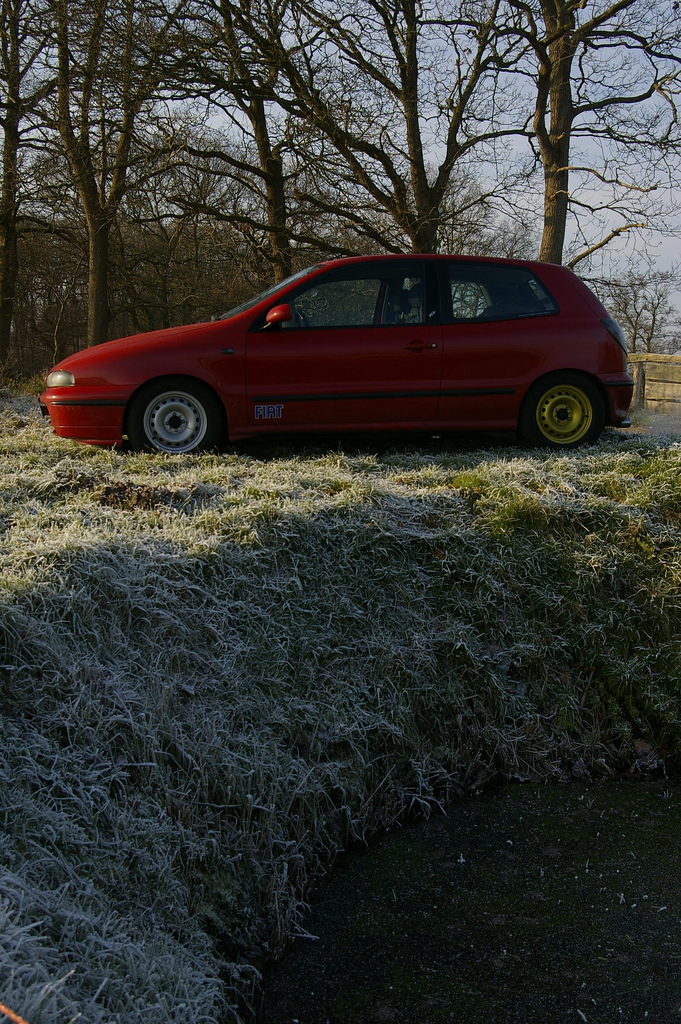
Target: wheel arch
pixel 591 377
pixel 173 380
pixel 582 420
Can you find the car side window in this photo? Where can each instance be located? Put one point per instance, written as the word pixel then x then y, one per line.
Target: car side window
pixel 488 291
pixel 391 293
pixel 470 300
pixel 403 300
pixel 337 303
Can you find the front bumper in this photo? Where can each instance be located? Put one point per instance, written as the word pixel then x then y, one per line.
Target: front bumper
pixel 93 415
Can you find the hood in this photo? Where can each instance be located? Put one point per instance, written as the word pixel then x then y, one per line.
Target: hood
pixel 166 336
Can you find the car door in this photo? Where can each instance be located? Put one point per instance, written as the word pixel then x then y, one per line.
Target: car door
pixel 495 336
pixel 357 352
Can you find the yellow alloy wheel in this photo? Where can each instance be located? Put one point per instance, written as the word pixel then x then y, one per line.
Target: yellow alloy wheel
pixel 564 414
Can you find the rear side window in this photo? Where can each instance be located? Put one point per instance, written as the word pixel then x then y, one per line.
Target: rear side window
pixel 489 291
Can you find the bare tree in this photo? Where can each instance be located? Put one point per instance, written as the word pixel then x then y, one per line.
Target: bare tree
pixel 389 99
pixel 250 81
pixel 641 301
pixel 111 58
pixel 22 38
pixel 171 264
pixel 257 153
pixel 605 77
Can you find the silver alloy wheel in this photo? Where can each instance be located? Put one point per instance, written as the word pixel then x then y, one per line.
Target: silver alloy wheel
pixel 175 421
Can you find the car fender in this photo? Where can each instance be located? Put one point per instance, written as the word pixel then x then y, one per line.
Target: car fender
pixel 206 380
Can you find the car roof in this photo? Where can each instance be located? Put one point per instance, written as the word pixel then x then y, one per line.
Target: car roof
pixel 410 256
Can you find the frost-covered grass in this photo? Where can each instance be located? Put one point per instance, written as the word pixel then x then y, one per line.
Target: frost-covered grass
pixel 217 670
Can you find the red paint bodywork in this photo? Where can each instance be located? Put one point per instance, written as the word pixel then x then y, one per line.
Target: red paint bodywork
pixel 437 376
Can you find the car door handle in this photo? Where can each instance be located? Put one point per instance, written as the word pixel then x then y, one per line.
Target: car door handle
pixel 419 346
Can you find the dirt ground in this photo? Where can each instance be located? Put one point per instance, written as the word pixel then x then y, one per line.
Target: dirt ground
pixel 535 904
pixel 647 421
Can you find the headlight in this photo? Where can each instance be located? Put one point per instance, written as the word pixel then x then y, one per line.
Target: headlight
pixel 60 379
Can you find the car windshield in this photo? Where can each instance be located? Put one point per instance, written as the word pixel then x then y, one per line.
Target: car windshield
pixel 272 290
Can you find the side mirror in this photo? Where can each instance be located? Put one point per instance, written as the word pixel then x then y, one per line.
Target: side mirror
pixel 279 314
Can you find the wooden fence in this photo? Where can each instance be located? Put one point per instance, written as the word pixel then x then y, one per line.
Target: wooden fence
pixel 657 382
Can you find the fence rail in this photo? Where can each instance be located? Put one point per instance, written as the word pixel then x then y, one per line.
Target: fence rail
pixel 657 382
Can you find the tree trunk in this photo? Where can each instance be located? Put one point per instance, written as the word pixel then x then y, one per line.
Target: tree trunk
pixel 99 313
pixel 555 99
pixel 424 231
pixel 9 261
pixel 275 192
pixel 277 217
pixel 424 237
pixel 555 207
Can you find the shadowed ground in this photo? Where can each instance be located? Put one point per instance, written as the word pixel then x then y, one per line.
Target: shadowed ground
pixel 532 904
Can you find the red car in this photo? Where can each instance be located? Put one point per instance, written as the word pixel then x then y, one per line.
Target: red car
pixel 380 342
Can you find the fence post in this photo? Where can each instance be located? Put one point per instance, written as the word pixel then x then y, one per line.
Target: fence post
pixel 638 400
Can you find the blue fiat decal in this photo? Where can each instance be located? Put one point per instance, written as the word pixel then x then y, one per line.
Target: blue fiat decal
pixel 268 412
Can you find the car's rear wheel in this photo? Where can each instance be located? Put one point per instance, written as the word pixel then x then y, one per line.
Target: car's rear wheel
pixel 562 411
pixel 176 416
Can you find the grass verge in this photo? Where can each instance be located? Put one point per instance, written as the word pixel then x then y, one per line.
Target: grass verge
pixel 217 670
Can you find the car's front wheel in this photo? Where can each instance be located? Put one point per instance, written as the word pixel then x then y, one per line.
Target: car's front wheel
pixel 177 416
pixel 562 411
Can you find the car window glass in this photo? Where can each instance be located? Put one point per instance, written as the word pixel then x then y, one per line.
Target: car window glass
pixel 470 300
pixel 371 295
pixel 337 303
pixel 486 291
pixel 403 300
pixel 272 290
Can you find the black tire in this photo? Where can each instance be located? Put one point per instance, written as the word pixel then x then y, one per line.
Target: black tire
pixel 175 415
pixel 562 411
